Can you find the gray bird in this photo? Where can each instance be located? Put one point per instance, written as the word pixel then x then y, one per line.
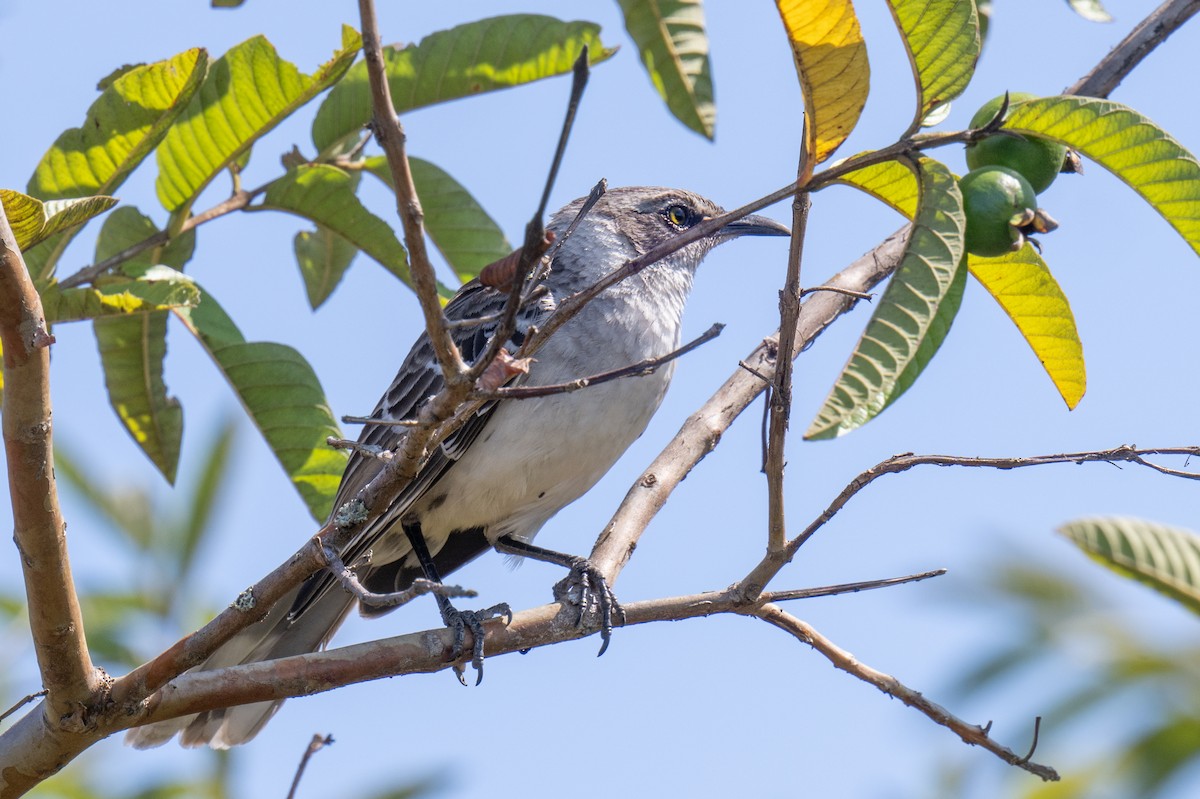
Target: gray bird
pixel 504 474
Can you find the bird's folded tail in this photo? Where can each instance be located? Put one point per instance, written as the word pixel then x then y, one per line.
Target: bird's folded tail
pixel 274 637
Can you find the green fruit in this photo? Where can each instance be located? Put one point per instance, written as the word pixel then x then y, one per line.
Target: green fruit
pixel 1039 160
pixel 998 202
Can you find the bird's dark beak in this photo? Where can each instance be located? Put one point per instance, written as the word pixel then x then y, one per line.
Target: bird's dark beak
pixel 755 225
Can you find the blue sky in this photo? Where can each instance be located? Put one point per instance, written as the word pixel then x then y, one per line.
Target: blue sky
pixel 713 707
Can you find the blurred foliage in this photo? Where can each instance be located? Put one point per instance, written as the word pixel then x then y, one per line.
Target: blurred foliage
pixel 1122 700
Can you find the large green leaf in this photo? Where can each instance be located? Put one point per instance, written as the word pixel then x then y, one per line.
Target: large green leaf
pixel 477 57
pixel 282 395
pixel 159 288
pixel 325 194
pixel 1127 144
pixel 1165 558
pixel 942 39
pixel 34 221
pixel 128 120
pixel 133 348
pixel 1022 285
pixel 831 62
pixel 671 38
pixel 889 181
pixel 908 324
pixel 468 238
pixel 248 91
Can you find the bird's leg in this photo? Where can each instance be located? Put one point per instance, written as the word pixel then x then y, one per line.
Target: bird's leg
pixel 591 583
pixel 457 620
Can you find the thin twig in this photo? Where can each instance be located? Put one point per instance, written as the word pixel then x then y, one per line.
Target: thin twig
pixel 1141 41
pixel 639 369
pixel 858 295
pixel 22 703
pixel 317 743
pixel 847 588
pixel 841 659
pixel 371 420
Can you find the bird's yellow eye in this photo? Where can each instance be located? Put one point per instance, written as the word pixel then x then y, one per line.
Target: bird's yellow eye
pixel 679 216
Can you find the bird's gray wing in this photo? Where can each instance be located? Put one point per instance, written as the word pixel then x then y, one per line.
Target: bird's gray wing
pixel 420 378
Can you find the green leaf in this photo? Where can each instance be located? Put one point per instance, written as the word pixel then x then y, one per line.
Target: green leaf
pixel 671 38
pixel 128 510
pixel 282 395
pixel 831 62
pixel 160 288
pixel 889 181
pixel 477 57
pixel 464 233
pixel 34 221
pixel 1165 558
pixel 1091 10
pixel 133 349
pixel 908 323
pixel 942 40
pixel 323 257
pixel 1022 285
pixel 205 496
pixel 325 194
pixel 1127 144
pixel 248 91
pixel 132 115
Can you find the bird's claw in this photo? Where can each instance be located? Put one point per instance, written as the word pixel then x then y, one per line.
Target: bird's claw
pixel 462 620
pixel 593 592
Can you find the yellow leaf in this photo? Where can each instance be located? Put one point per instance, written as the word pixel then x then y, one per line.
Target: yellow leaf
pixel 1023 286
pixel 831 60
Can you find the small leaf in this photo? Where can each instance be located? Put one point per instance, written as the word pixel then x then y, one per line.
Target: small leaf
pixel 1091 10
pixel 325 194
pixel 466 236
pixel 477 57
pixel 1165 558
pixel 671 38
pixel 133 349
pixel 283 397
pixel 1022 285
pixel 831 60
pixel 323 257
pixel 1127 144
pixel 123 126
pixel 34 221
pixel 248 91
pixel 908 324
pixel 942 40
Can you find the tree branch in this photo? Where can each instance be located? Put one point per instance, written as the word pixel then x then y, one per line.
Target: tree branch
pixel 1141 41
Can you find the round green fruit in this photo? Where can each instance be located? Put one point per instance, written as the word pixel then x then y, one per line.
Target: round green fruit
pixel 1039 160
pixel 998 202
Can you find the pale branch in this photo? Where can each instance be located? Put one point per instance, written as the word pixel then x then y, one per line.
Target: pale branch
pixel 39 531
pixel 419 587
pixel 846 588
pixel 703 429
pixel 906 461
pixel 1141 41
pixel 970 733
pixel 391 138
pixel 639 369
pixel 317 743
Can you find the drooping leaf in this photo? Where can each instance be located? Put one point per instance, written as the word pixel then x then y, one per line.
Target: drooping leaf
pixel 673 43
pixel 477 57
pixel 133 348
pixel 1127 144
pixel 1163 557
pixel 123 126
pixel 248 91
pixel 160 288
pixel 325 194
pixel 942 39
pixel 889 181
pixel 464 233
pixel 1022 285
pixel 284 399
pixel 1090 10
pixel 831 60
pixel 324 257
pixel 907 325
pixel 34 221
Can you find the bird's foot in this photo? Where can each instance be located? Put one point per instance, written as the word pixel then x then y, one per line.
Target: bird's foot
pixel 462 620
pixel 586 588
